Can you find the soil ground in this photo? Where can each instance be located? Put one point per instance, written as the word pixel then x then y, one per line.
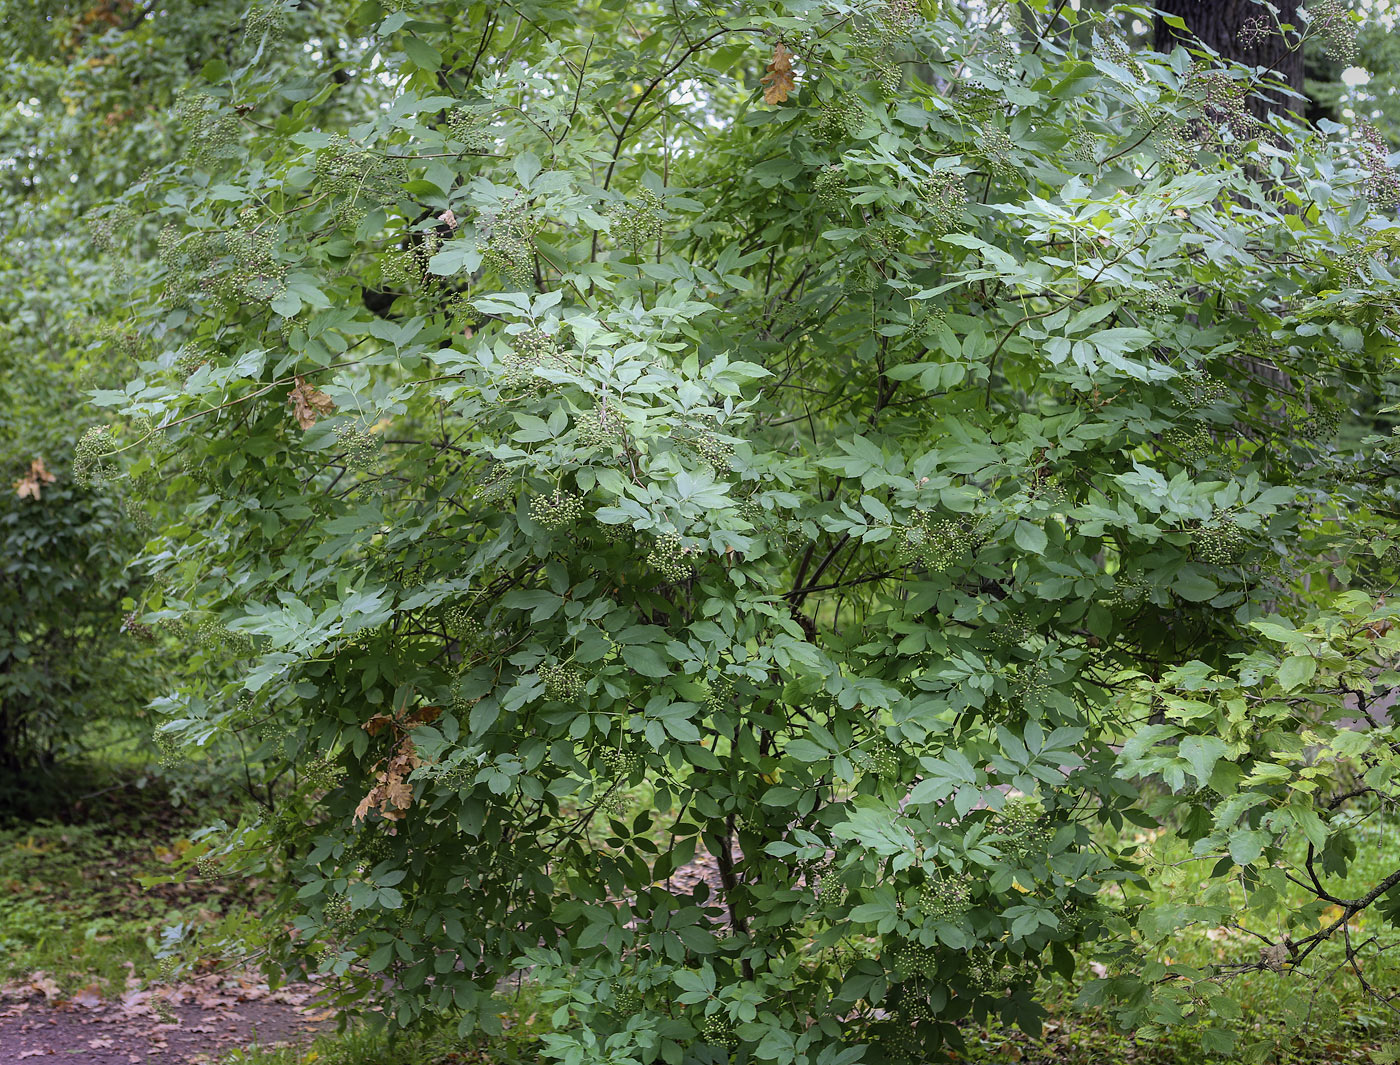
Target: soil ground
pixel 186 1024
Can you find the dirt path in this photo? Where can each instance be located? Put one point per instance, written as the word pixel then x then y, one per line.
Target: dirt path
pixel 198 1021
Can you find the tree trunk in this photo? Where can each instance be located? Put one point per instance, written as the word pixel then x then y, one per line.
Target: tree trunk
pixel 1217 23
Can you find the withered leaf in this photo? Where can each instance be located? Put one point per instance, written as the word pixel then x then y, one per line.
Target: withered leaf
pixel 780 80
pixel 30 486
pixel 392 794
pixel 308 402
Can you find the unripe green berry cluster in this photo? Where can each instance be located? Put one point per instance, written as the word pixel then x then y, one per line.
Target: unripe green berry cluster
pixel 994 143
pixel 934 543
pixel 1382 184
pixel 1032 681
pixel 463 625
pixel 838 118
pixel 912 1004
pixel 830 188
pixel 338 913
pixel 212 132
pixel 711 447
pixel 911 959
pixel 1223 105
pixel 599 428
pixel 1021 827
pixel 137 628
pixel 557 510
pixel 1160 299
pixel 359 446
pixel 90 465
pixel 1255 30
pixel 859 280
pixel 886 27
pixel 1332 23
pixel 624 762
pixel 1130 589
pixel 255 273
pixel 637 221
pixel 562 683
pixel 356 178
pixel 945 899
pixel 1084 146
pixel 455 776
pixel 625 997
pixel 191 357
pixel 719 694
pixel 1220 541
pixel 880 758
pixel 265 20
pixel 210 634
pixel 718 1030
pixel 1111 45
pixel 826 885
pixel 504 240
pixel 1013 629
pixel 1203 389
pixel 988 976
pixel 1322 422
pixel 167 747
pixel 496 484
pixel 400 271
pixel 1195 443
pixel 371 849
pixel 671 558
pixel 471 127
pixel 536 346
pixel 323 773
pixel 161 1008
pixel 944 198
pixel 107 230
pixel 882 240
pixel 530 351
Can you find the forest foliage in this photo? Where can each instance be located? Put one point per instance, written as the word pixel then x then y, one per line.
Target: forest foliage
pixel 916 447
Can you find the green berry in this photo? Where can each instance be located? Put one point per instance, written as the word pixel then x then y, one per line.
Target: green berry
pixel 669 557
pixel 558 510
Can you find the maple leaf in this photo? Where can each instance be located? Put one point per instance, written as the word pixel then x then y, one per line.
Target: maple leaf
pixel 30 486
pixel 309 402
pixel 780 80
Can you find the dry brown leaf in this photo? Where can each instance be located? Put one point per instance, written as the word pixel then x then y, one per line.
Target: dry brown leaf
pixel 377 724
pixel 30 486
pixel 89 997
pixel 780 80
pixel 392 794
pixel 309 402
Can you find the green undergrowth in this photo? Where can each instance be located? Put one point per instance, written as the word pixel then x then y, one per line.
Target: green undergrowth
pixel 1318 1013
pixel 428 1044
pixel 71 906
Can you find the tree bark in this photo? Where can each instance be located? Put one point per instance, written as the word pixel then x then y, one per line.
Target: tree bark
pixel 1217 23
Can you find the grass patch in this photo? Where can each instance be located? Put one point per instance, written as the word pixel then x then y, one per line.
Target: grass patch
pixel 431 1043
pixel 70 905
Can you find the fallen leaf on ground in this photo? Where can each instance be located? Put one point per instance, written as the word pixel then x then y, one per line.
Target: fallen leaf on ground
pixel 89 997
